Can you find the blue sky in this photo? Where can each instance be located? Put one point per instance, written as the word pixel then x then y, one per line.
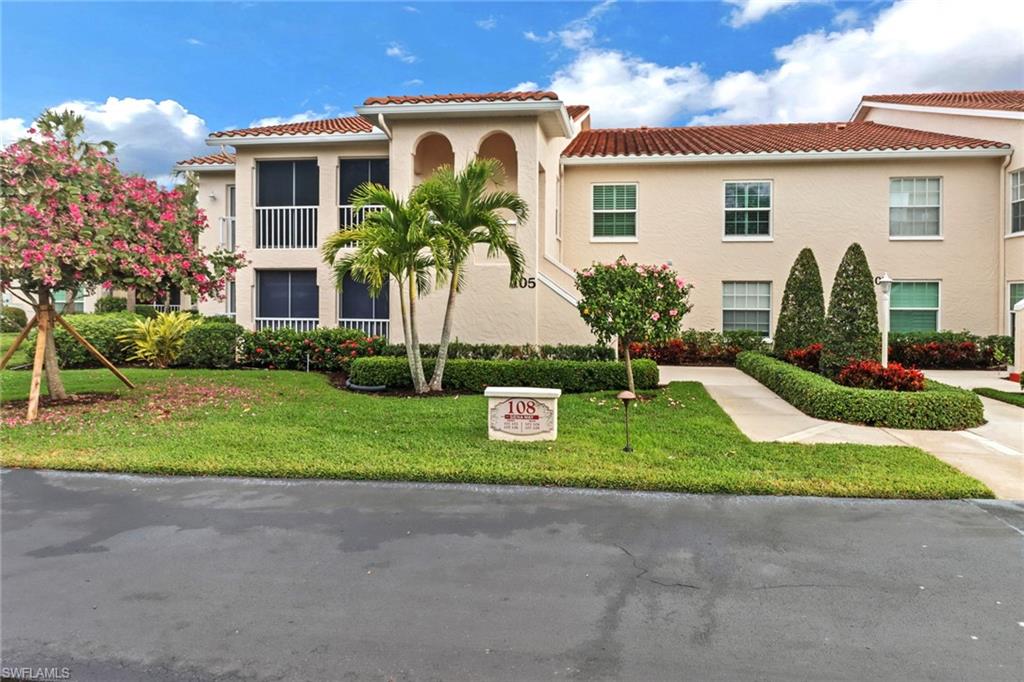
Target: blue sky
pixel 157 77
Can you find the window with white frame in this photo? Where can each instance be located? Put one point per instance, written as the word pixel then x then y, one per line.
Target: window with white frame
pixel 748 209
pixel 1016 296
pixel 229 303
pixel 747 306
pixel 915 205
pixel 60 299
pixel 614 209
pixel 1017 201
pixel 914 307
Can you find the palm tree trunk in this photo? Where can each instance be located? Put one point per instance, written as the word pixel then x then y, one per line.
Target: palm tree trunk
pixel 54 384
pixel 446 332
pixel 629 370
pixel 419 381
pixel 406 332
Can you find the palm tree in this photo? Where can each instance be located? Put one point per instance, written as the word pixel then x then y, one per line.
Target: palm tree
pixel 401 241
pixel 468 214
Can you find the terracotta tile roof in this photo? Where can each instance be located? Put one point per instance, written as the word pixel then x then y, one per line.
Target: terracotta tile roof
pixel 528 96
pixel 1002 100
pixel 208 160
pixel 577 111
pixel 760 139
pixel 347 124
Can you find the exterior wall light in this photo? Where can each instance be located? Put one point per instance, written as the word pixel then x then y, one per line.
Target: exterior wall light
pixel 627 397
pixel 884 282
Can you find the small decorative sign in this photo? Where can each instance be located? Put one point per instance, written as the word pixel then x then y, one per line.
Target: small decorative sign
pixel 522 413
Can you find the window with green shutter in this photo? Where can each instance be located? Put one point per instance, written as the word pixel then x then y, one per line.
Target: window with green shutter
pixel 1017 201
pixel 60 297
pixel 1016 296
pixel 614 211
pixel 914 206
pixel 914 307
pixel 748 209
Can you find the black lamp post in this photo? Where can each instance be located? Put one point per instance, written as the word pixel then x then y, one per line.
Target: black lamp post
pixel 627 397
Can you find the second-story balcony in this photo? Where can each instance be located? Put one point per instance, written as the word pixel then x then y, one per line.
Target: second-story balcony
pixel 286 227
pixel 227 237
pixel 350 217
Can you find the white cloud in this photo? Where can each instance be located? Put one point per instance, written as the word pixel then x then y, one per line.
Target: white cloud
pixel 397 51
pixel 847 18
pixel 150 136
pixel 194 41
pixel 623 90
pixel 412 82
pixel 751 11
pixel 526 86
pixel 912 46
pixel 537 38
pixel 301 117
pixel 12 129
pixel 411 10
pixel 488 23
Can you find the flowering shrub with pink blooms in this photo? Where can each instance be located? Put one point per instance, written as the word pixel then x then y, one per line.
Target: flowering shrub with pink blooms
pixel 632 302
pixel 70 220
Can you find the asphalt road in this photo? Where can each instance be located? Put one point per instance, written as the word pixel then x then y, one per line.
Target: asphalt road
pixel 148 578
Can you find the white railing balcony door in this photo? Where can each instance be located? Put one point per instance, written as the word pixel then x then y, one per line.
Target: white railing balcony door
pixel 299 324
pixel 367 326
pixel 286 227
pixel 349 217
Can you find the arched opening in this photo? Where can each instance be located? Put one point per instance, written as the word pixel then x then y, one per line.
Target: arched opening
pixel 500 146
pixel 432 151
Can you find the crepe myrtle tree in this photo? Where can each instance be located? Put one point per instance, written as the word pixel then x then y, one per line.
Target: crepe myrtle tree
pixel 633 302
pixel 70 221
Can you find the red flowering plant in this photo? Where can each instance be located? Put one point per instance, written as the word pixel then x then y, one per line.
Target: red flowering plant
pixel 808 358
pixel 871 374
pixel 633 302
pixel 70 221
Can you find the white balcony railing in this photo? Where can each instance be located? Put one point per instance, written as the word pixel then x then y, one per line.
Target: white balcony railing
pixel 286 227
pixel 299 324
pixel 227 233
pixel 349 216
pixel 367 326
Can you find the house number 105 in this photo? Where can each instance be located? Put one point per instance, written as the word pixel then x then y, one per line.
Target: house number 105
pixel 526 283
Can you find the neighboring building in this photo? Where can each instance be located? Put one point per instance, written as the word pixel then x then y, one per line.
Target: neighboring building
pixel 930 185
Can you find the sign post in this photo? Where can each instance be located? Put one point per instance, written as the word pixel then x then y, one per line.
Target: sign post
pixel 522 413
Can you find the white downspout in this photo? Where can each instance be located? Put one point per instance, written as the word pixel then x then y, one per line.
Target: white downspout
pixel 1003 211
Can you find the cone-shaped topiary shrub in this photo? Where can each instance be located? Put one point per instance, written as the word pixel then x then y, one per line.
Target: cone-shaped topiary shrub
pixel 851 328
pixel 802 316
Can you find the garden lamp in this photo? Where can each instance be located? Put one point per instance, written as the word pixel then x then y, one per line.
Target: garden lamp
pixel 884 281
pixel 627 397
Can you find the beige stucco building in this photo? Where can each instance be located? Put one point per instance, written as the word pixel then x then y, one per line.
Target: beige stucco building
pixel 932 186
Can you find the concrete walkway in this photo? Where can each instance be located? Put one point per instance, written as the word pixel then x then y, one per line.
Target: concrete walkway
pixel 993 453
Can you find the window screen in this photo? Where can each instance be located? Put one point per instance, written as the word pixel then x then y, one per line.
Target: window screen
pixel 748 209
pixel 747 305
pixel 914 306
pixel 914 205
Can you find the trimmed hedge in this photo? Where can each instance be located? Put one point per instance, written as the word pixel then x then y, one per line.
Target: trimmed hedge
pixel 851 328
pixel 100 330
pixel 495 351
pixel 802 315
pixel 473 376
pixel 695 347
pixel 949 350
pixel 211 345
pixel 937 407
pixel 329 349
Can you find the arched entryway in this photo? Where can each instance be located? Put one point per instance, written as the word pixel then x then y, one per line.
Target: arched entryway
pixel 500 146
pixel 432 151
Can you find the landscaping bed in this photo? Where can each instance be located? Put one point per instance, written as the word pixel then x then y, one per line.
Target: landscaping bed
pixel 938 406
pixel 294 424
pixel 1011 397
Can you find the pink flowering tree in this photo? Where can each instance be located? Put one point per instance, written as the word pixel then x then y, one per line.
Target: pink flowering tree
pixel 631 302
pixel 69 220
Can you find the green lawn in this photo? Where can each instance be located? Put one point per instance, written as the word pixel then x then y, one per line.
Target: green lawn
pixel 293 424
pixel 1012 397
pixel 21 357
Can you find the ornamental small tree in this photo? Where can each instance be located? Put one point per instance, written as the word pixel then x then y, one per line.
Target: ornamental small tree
pixel 70 221
pixel 851 329
pixel 635 303
pixel 802 316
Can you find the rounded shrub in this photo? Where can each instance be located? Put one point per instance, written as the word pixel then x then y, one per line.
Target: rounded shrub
pixel 802 315
pixel 99 330
pixel 12 319
pixel 851 329
pixel 211 345
pixel 110 304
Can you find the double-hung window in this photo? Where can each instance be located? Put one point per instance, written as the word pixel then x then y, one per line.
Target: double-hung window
pixel 915 205
pixel 748 209
pixel 230 299
pixel 61 297
pixel 1017 202
pixel 614 211
pixel 1016 296
pixel 747 306
pixel 914 307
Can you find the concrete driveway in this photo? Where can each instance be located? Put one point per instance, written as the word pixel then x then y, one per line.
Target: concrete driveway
pixel 132 578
